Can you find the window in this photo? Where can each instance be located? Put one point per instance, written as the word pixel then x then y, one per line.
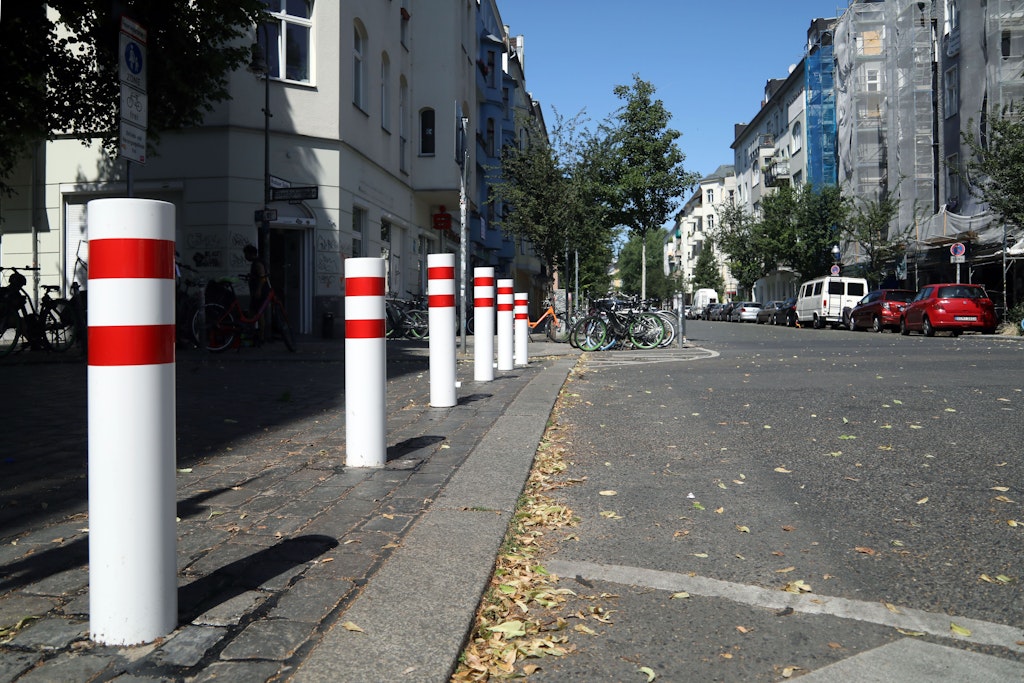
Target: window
pixel 952 91
pixel 952 179
pixel 427 132
pixel 710 196
pixel 952 16
pixel 490 138
pixel 358 221
pixel 403 125
pixel 797 136
pixel 405 23
pixel 285 39
pixel 711 222
pixel 492 79
pixel 385 231
pixel 358 66
pixel 385 92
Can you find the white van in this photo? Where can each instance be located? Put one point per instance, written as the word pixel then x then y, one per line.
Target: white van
pixel 821 301
pixel 701 298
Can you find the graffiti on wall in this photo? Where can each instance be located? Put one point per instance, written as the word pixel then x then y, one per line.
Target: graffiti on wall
pixel 328 263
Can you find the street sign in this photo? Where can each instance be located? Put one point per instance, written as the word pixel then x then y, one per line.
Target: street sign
pixel 294 194
pixel 134 106
pixel 957 249
pixel 958 259
pixel 834 270
pixel 132 141
pixel 132 54
pixel 442 221
pixel 267 215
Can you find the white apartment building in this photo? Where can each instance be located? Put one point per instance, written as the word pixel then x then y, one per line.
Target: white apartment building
pixel 364 98
pixel 695 227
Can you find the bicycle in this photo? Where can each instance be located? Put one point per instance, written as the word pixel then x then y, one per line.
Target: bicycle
pixel 221 322
pixel 557 329
pixel 609 328
pixel 51 327
pixel 406 318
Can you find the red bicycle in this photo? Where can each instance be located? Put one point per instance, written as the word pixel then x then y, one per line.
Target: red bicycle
pixel 221 323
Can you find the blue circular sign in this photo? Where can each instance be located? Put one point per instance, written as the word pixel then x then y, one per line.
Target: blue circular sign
pixel 834 270
pixel 958 249
pixel 133 57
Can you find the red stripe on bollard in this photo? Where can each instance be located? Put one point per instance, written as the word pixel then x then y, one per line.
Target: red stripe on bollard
pixel 441 300
pixel 484 281
pixel 364 329
pixel 131 258
pixel 364 286
pixel 131 344
pixel 483 303
pixel 506 307
pixel 441 273
pixel 522 316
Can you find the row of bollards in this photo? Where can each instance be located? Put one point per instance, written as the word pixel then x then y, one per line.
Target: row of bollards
pixel 131 397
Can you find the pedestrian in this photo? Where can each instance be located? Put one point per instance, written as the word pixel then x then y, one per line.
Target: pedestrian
pixel 259 286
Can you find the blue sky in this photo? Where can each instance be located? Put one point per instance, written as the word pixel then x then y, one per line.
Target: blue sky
pixel 708 61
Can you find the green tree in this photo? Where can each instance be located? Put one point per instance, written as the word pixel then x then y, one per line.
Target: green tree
pixel 996 171
pixel 868 225
pixel 706 273
pixel 649 178
pixel 61 76
pixel 632 267
pixel 742 239
pixel 818 219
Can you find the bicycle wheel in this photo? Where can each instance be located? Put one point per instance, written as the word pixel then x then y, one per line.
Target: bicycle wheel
pixel 10 332
pixel 590 333
pixel 559 332
pixel 670 324
pixel 417 324
pixel 214 327
pixel 646 331
pixel 58 325
pixel 282 327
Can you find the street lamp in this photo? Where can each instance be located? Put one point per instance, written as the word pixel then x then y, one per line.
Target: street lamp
pixel 259 66
pixel 836 253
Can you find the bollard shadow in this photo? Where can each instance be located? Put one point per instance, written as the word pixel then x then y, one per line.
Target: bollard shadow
pixel 36 566
pixel 249 573
pixel 403 448
pixel 473 398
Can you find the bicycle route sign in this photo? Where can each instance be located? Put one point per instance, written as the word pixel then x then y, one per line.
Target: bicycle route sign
pixel 134 98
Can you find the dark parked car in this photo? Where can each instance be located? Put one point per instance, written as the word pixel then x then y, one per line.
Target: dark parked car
pixel 878 310
pixel 767 313
pixel 786 313
pixel 726 310
pixel 711 310
pixel 953 307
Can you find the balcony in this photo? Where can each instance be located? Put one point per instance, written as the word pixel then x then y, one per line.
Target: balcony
pixel 776 172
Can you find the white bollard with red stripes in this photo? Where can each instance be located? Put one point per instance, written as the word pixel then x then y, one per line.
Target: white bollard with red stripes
pixel 521 327
pixel 133 589
pixel 506 306
pixel 483 324
pixel 441 326
pixel 365 364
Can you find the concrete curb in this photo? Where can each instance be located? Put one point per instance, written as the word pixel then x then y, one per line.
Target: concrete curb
pixel 416 612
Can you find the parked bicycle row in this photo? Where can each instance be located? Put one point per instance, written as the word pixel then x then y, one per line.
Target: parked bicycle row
pixel 52 326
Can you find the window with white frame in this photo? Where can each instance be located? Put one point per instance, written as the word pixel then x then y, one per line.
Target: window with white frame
pixel 385 92
pixel 358 224
pixel 359 66
pixel 711 221
pixel 952 16
pixel 285 39
pixel 951 90
pixel 709 196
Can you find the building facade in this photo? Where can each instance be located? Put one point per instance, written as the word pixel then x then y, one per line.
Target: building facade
pixel 364 103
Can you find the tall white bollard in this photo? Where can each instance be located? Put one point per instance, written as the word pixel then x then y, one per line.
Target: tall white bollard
pixel 521 328
pixel 506 304
pixel 366 375
pixel 133 590
pixel 441 321
pixel 483 324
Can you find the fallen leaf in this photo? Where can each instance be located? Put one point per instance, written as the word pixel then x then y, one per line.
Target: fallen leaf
pixel 743 529
pixel 743 629
pixel 1013 523
pixel 789 528
pixel 784 570
pixel 897 401
pixel 608 514
pixel 1000 488
pixel 835 646
pixel 580 628
pixel 847 437
pixel 725 655
pixel 1003 499
pixel 923 501
pixel 912 634
pixel 782 470
pixel 950 410
pixel 679 596
pixel 608 493
pixel 865 550
pixel 509 628
pixel 797 586
pixel 719 510
pixel 350 626
pixel 721 485
pixel 1003 578
pixel 185 470
pixel 700 555
pixel 697 505
pixel 788 671
pixel 892 608
pixel 959 630
pixel 646 670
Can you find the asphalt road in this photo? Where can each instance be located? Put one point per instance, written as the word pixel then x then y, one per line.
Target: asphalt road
pixel 879 470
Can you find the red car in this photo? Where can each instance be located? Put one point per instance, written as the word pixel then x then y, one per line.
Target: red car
pixel 953 307
pixel 878 310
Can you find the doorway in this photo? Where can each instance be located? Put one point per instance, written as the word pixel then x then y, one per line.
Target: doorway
pixel 287 274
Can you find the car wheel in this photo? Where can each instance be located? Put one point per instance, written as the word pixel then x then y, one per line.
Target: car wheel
pixel 876 324
pixel 816 323
pixel 926 327
pixel 852 326
pixel 903 327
